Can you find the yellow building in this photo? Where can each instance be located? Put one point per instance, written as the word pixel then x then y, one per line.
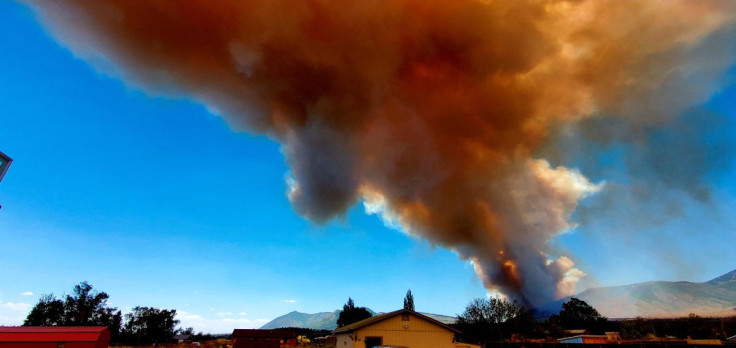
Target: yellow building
pixel 400 329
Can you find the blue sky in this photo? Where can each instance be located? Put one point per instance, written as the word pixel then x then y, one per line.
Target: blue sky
pixel 159 203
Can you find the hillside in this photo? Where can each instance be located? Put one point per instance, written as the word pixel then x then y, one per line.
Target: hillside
pixel 716 297
pixel 317 321
pixel 728 277
pixel 327 320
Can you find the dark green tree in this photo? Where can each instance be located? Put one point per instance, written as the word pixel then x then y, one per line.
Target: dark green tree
pixel 698 327
pixel 577 314
pixel 49 311
pixel 86 307
pixel 147 325
pixel 490 320
pixel 409 301
pixel 187 331
pixel 351 314
pixel 635 329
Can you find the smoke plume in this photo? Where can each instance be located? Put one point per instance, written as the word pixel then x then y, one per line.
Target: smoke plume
pixel 441 116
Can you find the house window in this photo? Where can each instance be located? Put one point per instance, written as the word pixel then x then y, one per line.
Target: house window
pixel 371 342
pixel 405 317
pixel 60 345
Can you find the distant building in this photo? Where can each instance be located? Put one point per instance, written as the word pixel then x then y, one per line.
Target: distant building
pixel 276 338
pixel 613 337
pixel 5 162
pixel 585 339
pixel 576 332
pixel 693 342
pixel 402 328
pixel 54 337
pixel 181 338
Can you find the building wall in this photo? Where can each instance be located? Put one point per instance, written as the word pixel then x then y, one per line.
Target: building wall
pixel 240 343
pixel 344 341
pixel 595 340
pixel 47 345
pixel 572 340
pixel 418 334
pixel 586 340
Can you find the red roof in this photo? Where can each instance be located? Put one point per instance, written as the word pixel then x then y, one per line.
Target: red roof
pixel 53 333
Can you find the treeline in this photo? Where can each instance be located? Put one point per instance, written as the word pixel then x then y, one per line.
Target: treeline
pixel 88 307
pixel 693 326
pixel 493 320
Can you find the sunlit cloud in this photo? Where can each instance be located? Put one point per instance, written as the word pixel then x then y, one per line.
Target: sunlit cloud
pixel 13 313
pixel 27 293
pixel 290 301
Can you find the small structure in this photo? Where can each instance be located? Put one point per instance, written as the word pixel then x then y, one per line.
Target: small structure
pixel 276 338
pixel 613 337
pixel 585 339
pixel 402 328
pixel 5 162
pixel 706 342
pixel 181 338
pixel 54 337
pixel 576 332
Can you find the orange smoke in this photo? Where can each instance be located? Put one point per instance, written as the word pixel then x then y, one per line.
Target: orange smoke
pixel 428 111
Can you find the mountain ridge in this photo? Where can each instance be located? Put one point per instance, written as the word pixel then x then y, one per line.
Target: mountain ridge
pixel 327 320
pixel 657 299
pixel 716 297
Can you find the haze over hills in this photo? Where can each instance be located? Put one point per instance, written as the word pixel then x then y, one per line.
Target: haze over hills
pixel 327 320
pixel 716 297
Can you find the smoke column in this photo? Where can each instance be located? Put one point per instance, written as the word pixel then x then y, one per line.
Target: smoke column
pixel 435 114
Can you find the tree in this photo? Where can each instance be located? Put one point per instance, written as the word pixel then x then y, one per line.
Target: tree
pixel 577 314
pixel 85 308
pixel 636 329
pixel 187 331
pixel 49 311
pixel 147 325
pixel 409 301
pixel 489 320
pixel 351 314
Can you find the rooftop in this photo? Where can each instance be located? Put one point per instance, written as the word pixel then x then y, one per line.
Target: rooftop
pixel 376 318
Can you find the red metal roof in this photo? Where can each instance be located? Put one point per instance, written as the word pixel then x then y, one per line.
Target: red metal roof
pixel 53 333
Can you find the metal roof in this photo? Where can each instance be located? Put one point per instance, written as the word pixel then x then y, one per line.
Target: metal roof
pixel 380 317
pixel 52 333
pixel 5 162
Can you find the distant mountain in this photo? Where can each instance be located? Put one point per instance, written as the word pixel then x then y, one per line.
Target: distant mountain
pixel 444 319
pixel 716 297
pixel 327 320
pixel 317 321
pixel 728 277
